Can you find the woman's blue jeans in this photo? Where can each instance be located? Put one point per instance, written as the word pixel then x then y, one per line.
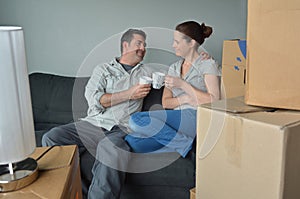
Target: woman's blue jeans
pixel 162 131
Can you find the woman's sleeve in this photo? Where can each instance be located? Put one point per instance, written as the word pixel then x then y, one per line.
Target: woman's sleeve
pixel 210 67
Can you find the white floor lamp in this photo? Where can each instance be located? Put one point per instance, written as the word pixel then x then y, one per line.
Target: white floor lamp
pixel 17 140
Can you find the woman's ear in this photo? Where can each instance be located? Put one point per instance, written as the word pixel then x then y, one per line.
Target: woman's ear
pixel 193 43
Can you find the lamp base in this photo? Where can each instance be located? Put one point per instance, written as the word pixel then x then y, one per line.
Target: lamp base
pixel 22 174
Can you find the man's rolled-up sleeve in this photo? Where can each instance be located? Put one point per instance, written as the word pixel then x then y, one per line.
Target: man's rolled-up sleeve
pixel 94 90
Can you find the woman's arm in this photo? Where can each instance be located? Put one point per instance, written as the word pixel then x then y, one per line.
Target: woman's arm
pixel 193 95
pixel 199 97
pixel 170 102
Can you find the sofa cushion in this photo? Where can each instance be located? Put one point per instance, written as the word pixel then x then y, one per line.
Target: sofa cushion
pixel 158 192
pixel 183 170
pixel 52 99
pixel 153 100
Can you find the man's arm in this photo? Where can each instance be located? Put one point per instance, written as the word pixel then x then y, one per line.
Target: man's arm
pixel 135 92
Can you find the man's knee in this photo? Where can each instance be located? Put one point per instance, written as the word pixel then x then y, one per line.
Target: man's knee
pixel 113 156
pixel 51 137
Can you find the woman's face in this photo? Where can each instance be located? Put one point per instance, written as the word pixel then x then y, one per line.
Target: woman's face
pixel 181 46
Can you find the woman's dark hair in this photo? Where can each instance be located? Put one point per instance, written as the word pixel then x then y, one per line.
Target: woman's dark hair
pixel 128 36
pixel 193 30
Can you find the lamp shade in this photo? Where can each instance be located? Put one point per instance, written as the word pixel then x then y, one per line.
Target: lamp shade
pixel 17 140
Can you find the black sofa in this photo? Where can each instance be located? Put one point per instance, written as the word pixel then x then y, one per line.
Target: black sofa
pixel 52 105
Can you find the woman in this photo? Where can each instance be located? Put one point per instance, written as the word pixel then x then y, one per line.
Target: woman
pixel 190 81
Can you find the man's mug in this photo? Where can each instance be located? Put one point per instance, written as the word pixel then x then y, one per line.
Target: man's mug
pixel 145 80
pixel 158 80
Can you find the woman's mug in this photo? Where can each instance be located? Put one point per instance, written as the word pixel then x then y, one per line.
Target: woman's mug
pixel 158 80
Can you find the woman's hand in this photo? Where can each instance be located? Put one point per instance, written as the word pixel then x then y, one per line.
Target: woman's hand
pixel 173 82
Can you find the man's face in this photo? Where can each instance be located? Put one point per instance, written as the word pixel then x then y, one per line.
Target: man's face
pixel 136 48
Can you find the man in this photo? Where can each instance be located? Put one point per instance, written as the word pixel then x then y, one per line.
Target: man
pixel 113 93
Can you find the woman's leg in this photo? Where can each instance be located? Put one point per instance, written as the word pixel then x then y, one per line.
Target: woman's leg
pixel 143 145
pixel 174 129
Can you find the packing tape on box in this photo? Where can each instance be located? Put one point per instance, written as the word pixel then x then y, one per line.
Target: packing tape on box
pixel 213 132
pixel 233 140
pixel 218 121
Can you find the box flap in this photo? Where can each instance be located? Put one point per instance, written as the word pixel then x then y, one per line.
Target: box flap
pixel 50 160
pixel 234 52
pixel 233 81
pixel 234 105
pixel 59 175
pixel 281 118
pixel 14 195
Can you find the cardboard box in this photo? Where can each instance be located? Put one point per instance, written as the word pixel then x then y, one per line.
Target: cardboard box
pixel 233 68
pixel 246 152
pixel 273 47
pixel 193 193
pixel 59 176
pixel 234 52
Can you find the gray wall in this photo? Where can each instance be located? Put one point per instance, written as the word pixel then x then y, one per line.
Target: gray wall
pixel 60 34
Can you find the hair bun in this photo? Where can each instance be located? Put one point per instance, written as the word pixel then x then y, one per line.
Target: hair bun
pixel 207 30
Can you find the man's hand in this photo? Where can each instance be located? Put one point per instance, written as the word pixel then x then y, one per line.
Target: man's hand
pixel 139 91
pixel 135 92
pixel 204 55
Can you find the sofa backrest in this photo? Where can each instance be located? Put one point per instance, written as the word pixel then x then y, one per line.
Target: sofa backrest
pixel 51 97
pixel 59 100
pixel 153 100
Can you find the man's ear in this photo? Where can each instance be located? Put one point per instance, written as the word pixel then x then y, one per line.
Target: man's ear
pixel 125 45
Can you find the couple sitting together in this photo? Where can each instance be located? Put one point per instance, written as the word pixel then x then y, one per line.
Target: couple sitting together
pixel 114 123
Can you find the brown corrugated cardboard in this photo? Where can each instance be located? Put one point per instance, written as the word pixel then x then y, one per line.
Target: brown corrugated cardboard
pixel 273 46
pixel 234 52
pixel 59 176
pixel 193 193
pixel 233 68
pixel 233 81
pixel 247 155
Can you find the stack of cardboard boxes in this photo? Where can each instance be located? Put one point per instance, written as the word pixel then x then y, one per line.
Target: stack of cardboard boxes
pixel 246 151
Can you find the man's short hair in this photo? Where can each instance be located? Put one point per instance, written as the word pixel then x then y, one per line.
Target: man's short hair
pixel 128 36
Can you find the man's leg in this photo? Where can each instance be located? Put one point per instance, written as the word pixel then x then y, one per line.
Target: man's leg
pixel 62 135
pixel 85 136
pixel 81 133
pixel 110 166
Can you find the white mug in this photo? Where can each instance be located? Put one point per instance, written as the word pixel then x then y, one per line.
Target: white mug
pixel 158 80
pixel 145 80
